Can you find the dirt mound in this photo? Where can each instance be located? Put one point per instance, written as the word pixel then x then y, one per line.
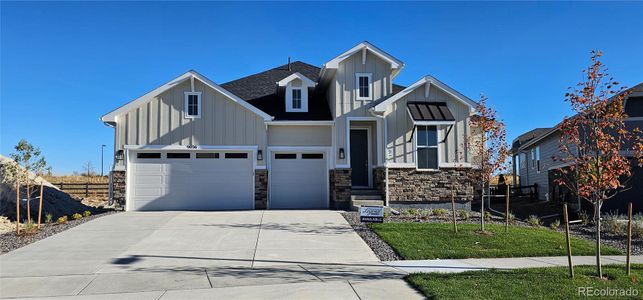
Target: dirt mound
pixel 55 202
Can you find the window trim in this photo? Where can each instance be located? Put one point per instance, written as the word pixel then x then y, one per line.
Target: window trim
pixel 370 86
pixel 538 159
pixel 437 146
pixel 292 98
pixel 304 98
pixel 199 105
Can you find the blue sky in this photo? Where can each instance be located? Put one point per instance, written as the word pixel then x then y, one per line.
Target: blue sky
pixel 63 65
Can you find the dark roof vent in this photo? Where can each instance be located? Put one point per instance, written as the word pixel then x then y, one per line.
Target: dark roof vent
pixel 289 64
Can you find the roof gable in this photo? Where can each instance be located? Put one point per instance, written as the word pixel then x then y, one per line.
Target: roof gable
pixel 294 76
pixel 396 64
pixel 111 116
pixel 431 82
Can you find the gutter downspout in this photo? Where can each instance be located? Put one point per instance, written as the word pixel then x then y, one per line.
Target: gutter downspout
pixel 383 118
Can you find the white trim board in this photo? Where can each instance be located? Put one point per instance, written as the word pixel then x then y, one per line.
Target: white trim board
pixel 432 81
pixel 111 116
pixel 396 64
pixel 306 81
pixel 301 123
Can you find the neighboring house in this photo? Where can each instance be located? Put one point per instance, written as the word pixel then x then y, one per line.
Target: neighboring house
pixel 296 136
pixel 533 160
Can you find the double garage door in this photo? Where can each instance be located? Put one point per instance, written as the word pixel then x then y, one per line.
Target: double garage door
pixel 224 180
pixel 191 181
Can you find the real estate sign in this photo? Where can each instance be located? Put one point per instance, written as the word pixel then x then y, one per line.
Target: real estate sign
pixel 371 214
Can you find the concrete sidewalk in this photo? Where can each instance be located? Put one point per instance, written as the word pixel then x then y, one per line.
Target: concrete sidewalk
pixel 477 264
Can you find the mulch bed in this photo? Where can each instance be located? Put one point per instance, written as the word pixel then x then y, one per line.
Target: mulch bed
pixel 10 241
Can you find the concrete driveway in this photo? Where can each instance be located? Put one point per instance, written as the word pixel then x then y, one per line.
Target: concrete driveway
pixel 248 254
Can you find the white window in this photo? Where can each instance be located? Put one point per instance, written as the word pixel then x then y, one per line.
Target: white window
pixel 296 98
pixel 193 104
pixel 364 84
pixel 427 147
pixel 533 158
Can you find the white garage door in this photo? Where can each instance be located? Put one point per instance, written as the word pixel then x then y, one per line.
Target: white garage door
pixel 298 180
pixel 190 181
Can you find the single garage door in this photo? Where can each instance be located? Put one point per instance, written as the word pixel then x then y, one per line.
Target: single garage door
pixel 190 181
pixel 298 180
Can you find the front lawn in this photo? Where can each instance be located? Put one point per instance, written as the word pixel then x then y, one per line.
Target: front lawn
pixel 538 283
pixel 437 240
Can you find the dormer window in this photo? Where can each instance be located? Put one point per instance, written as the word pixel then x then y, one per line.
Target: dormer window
pixel 296 92
pixel 192 104
pixel 296 98
pixel 364 84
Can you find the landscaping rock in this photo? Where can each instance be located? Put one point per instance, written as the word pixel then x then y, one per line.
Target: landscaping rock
pixel 382 250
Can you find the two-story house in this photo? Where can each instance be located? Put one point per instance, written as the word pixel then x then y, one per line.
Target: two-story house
pixel 534 161
pixel 296 136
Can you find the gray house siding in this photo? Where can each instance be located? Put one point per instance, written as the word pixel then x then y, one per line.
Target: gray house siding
pixel 529 173
pixel 161 121
pixel 400 128
pixel 342 92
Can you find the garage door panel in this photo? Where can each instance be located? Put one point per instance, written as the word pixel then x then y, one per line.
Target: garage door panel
pixel 191 184
pixel 296 182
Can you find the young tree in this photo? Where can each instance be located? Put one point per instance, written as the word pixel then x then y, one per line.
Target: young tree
pixel 594 142
pixel 88 168
pixel 26 166
pixel 488 146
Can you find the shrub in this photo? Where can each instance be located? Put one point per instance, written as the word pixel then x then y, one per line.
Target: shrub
pixel 77 216
pixel 512 218
pixel 464 214
pixel 412 211
pixel 487 216
pixel 87 213
pixel 30 227
pixel 440 212
pixel 48 218
pixel 425 213
pixel 387 214
pixel 612 225
pixel 533 221
pixel 554 225
pixel 584 217
pixel 61 220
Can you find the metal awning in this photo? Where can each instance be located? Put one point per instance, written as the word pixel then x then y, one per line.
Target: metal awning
pixel 427 112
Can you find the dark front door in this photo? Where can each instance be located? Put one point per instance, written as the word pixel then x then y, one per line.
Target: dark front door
pixel 359 157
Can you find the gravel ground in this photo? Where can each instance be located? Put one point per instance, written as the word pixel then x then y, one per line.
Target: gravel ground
pixel 383 251
pixel 615 240
pixel 10 241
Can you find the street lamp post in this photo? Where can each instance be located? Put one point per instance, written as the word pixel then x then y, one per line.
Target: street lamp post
pixel 102 148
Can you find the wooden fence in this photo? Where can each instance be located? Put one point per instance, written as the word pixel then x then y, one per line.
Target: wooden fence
pixel 84 189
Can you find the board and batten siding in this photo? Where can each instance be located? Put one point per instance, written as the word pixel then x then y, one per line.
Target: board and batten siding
pixel 529 174
pixel 283 135
pixel 400 136
pixel 343 91
pixel 162 121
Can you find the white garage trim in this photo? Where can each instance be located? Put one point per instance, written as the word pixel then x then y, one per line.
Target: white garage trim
pixel 299 149
pixel 251 150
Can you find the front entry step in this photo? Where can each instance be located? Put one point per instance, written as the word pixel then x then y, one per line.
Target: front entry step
pixel 367 199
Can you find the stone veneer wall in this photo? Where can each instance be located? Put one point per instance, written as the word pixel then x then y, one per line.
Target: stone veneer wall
pixel 340 188
pixel 409 185
pixel 118 188
pixel 261 189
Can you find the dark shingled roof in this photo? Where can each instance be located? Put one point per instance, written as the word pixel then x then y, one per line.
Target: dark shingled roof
pixel 260 90
pixel 527 136
pixel 429 111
